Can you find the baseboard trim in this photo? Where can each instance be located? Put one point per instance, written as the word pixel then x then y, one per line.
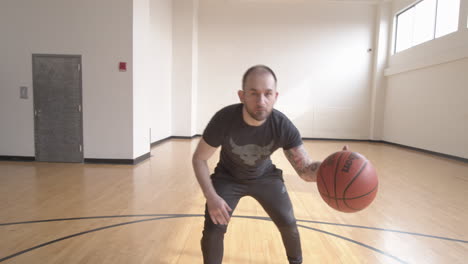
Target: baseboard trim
pixel 173 137
pixel 159 141
pixel 109 161
pixel 341 139
pixel 186 137
pixel 17 158
pixel 142 158
pixel 119 161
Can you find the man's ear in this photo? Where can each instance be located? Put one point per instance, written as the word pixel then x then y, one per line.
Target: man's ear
pixel 241 95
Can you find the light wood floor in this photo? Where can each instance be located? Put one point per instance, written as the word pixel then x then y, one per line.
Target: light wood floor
pixel 151 212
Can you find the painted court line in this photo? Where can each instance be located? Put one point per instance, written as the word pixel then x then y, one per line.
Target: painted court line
pixel 172 216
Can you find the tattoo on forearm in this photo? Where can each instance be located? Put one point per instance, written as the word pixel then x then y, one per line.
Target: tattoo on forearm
pixel 300 161
pixel 313 166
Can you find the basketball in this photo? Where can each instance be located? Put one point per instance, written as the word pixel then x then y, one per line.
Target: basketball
pixel 347 181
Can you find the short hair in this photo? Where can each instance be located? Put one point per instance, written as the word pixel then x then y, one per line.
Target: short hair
pixel 256 68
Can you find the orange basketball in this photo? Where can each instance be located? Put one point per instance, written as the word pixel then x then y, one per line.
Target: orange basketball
pixel 347 181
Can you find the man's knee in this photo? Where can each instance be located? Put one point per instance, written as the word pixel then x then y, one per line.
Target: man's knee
pixel 286 220
pixel 211 228
pixel 288 227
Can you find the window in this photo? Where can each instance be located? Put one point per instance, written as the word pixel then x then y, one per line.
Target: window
pixel 404 36
pixel 424 21
pixel 447 17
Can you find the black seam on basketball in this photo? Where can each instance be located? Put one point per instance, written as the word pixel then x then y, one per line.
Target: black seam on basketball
pixel 324 183
pixel 359 208
pixel 351 182
pixel 337 164
pixel 357 197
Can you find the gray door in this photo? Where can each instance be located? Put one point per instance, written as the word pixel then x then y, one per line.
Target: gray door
pixel 58 126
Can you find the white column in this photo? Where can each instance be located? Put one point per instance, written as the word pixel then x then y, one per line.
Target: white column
pixel 184 69
pixel 381 45
pixel 194 113
pixel 463 18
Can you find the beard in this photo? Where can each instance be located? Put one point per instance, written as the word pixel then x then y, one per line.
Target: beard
pixel 259 115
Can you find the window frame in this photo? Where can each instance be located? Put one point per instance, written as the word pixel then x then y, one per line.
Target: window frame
pixel 413 5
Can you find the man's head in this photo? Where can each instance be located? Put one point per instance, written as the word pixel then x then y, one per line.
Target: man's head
pixel 258 92
pixel 255 70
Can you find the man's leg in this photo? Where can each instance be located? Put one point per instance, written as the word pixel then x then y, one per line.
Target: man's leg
pixel 274 198
pixel 212 242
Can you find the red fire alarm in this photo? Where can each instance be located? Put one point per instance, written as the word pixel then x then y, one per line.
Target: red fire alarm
pixel 122 66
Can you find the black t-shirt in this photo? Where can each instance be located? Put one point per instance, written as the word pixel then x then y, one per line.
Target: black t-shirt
pixel 246 150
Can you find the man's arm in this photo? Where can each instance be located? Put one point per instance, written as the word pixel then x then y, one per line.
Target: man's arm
pixel 305 167
pixel 217 207
pixel 303 164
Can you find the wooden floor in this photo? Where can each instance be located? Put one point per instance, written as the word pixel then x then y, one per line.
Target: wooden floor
pixel 151 212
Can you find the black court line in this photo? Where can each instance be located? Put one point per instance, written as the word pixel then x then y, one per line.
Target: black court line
pixel 355 242
pixel 93 217
pixel 387 230
pixel 176 216
pixel 75 235
pixel 238 216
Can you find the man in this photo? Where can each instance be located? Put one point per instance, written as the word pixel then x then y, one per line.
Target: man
pixel 248 134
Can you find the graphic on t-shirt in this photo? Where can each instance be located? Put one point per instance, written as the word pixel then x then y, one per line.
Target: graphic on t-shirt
pixel 250 153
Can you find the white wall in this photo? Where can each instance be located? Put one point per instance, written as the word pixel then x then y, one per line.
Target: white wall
pixel 101 31
pixel 425 105
pixel 184 68
pixel 318 50
pixel 427 108
pixel 160 69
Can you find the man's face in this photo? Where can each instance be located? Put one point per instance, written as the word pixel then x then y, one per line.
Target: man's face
pixel 259 95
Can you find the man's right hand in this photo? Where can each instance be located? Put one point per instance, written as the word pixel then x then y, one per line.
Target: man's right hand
pixel 218 210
